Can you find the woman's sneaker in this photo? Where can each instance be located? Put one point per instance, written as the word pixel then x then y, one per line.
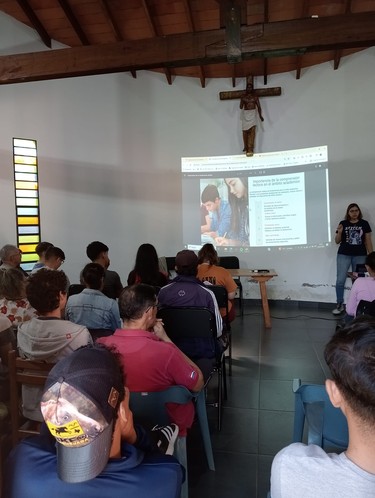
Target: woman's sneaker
pixel 340 308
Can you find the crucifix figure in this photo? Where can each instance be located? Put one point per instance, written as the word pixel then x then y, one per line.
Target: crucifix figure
pixel 250 107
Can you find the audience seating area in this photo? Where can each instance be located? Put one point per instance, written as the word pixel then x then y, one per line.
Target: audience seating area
pixel 259 412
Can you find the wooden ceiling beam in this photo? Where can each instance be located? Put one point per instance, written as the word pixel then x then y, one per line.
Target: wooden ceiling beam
pixel 154 31
pixel 338 53
pixel 37 25
pixel 73 21
pixel 191 49
pixel 111 19
pixel 190 21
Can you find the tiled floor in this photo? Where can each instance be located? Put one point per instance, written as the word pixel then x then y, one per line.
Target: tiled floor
pixel 258 414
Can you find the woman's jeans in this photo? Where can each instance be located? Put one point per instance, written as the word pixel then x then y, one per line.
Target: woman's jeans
pixel 343 264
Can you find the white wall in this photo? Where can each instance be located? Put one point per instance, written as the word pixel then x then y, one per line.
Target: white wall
pixel 110 147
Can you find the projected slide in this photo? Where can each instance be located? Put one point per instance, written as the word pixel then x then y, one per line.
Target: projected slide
pixel 278 200
pixel 277 210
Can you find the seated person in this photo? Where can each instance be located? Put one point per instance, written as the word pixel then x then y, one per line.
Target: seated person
pixel 41 249
pixel 308 471
pixel 93 449
pixel 187 291
pixel 98 253
pixel 13 301
pixel 7 338
pixel 363 288
pixel 10 257
pixel 91 307
pixel 54 257
pixel 47 337
pixel 146 269
pixel 209 272
pixel 151 361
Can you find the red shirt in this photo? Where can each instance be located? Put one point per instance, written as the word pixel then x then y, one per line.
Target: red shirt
pixel 153 365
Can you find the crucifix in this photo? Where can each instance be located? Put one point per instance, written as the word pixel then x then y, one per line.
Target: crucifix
pixel 250 107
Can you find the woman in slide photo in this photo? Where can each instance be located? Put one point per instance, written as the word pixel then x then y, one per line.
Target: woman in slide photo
pixel 238 234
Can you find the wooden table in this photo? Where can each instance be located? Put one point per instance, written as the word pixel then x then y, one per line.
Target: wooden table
pixel 261 278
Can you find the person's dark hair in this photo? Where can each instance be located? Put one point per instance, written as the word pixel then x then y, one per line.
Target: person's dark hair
pixel 93 275
pixel 135 299
pixel 42 247
pixel 147 265
pixel 54 252
pixel 353 205
pixel 94 249
pixel 43 289
pixel 370 260
pixel 12 284
pixel 238 206
pixel 188 270
pixel 350 356
pixel 208 254
pixel 210 194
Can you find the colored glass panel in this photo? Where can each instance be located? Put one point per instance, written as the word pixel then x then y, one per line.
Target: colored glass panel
pixel 26 185
pixel 22 142
pixel 28 177
pixel 27 211
pixel 27 248
pixel 31 229
pixel 28 266
pixel 21 201
pixel 26 167
pixel 26 193
pixel 27 199
pixel 24 239
pixel 23 151
pixel 30 257
pixel 28 220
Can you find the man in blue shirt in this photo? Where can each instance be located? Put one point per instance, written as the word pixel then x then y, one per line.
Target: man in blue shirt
pixel 93 448
pixel 219 209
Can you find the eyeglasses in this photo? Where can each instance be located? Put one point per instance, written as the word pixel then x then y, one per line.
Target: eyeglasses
pixel 156 305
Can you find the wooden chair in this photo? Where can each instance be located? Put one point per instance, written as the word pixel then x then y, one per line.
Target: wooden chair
pixel 221 295
pixel 23 372
pixel 183 324
pixel 233 263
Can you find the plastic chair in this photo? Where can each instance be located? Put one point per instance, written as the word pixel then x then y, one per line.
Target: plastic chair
pixel 326 425
pixel 233 263
pixel 96 333
pixel 75 289
pixel 149 407
pixel 365 308
pixel 184 324
pixel 24 372
pixel 221 295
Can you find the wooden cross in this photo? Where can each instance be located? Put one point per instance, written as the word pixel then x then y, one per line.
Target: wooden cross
pixel 260 92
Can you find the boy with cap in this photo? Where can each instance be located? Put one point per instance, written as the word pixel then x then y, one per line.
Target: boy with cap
pixel 95 450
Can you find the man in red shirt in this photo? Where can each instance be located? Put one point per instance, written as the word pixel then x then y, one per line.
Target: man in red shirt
pixel 151 361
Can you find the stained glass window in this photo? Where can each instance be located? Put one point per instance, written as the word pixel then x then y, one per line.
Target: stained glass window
pixel 25 162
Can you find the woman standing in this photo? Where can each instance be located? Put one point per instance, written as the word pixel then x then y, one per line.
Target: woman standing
pixel 354 236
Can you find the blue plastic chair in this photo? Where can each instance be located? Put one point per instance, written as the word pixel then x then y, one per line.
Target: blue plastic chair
pixel 326 425
pixel 150 407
